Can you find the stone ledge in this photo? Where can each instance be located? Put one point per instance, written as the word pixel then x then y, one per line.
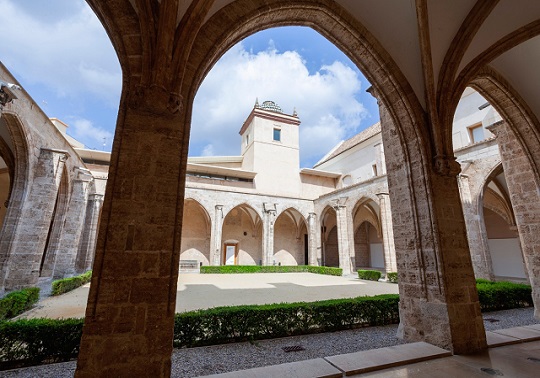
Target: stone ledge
pixel 300 369
pixel 496 339
pixel 527 333
pixel 383 358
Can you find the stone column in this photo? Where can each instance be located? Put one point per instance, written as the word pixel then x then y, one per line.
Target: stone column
pixel 87 246
pixel 132 299
pixel 314 240
pixel 390 264
pixel 22 257
pixel 269 215
pixel 215 237
pixel 524 190
pixel 476 231
pixel 438 298
pixel 73 225
pixel 343 238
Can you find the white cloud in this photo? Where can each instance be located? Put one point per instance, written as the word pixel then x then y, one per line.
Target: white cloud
pixel 71 53
pixel 325 100
pixel 90 135
pixel 208 150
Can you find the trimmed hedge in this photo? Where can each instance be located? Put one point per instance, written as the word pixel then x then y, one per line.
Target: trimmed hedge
pixel 230 324
pixel 67 284
pixel 392 277
pixel 27 342
pixel 503 295
pixel 371 275
pixel 17 302
pixel 234 269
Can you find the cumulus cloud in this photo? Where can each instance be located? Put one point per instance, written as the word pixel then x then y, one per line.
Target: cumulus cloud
pixel 90 135
pixel 325 100
pixel 63 47
pixel 208 150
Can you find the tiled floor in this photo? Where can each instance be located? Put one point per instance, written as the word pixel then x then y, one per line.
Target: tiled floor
pixel 516 361
pixel 513 352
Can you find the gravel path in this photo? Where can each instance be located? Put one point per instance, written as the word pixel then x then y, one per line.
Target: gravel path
pixel 195 362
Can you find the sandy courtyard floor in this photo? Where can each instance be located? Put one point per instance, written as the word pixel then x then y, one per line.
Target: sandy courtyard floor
pixel 201 291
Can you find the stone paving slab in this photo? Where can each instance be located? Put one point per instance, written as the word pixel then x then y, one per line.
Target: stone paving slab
pixel 383 358
pixel 496 339
pixel 521 333
pixel 317 368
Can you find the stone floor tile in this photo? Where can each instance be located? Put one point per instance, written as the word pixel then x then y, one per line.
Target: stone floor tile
pixel 375 359
pixel 497 339
pixel 317 368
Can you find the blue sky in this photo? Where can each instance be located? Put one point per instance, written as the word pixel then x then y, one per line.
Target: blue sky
pixel 61 55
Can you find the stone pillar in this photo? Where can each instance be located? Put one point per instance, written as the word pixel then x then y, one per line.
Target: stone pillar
pixel 73 225
pixel 269 218
pixel 524 190
pixel 343 238
pixel 438 298
pixel 132 299
pixel 215 237
pixel 87 246
pixel 314 240
pixel 22 257
pixel 476 231
pixel 390 264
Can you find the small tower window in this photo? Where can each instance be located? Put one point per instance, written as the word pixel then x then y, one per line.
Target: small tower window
pixel 247 139
pixel 277 135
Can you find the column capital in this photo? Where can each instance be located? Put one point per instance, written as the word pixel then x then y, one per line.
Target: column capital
pixel 156 99
pixel 446 166
pixel 63 154
pixel 270 208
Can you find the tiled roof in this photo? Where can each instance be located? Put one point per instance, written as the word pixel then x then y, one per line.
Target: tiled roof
pixel 350 143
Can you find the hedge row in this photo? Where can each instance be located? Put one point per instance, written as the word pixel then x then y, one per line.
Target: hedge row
pixel 371 275
pixel 229 324
pixel 67 284
pixel 234 269
pixel 17 302
pixel 503 295
pixel 27 342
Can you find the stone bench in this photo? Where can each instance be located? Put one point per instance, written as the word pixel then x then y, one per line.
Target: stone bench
pixel 189 264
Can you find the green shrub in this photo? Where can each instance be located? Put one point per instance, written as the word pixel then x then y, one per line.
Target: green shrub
pixel 33 341
pixel 234 269
pixel 372 275
pixel 230 324
pixel 67 284
pixel 17 302
pixel 29 342
pixel 503 295
pixel 392 277
pixel 483 281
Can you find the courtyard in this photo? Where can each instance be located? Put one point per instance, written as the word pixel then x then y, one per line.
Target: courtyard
pixel 203 291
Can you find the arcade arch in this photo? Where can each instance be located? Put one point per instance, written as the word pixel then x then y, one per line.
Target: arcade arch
pixel 242 237
pixel 290 239
pixel 196 228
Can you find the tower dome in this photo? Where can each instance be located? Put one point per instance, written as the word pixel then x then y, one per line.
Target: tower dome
pixel 271 106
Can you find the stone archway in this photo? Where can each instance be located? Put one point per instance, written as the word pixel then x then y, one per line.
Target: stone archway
pixel 329 238
pixel 243 225
pixel 195 233
pixel 290 238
